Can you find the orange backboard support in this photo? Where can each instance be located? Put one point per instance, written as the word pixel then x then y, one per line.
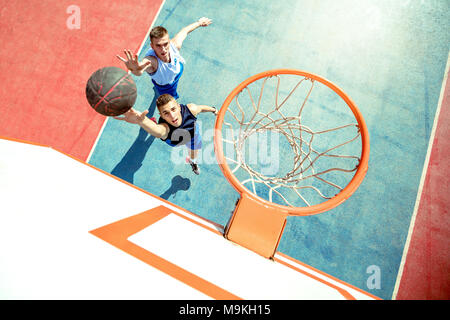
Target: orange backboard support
pixel 255 226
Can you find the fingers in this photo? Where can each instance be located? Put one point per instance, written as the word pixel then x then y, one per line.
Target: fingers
pixel 131 61
pixel 143 114
pixel 128 54
pixel 128 116
pixel 122 116
pixel 122 59
pixel 204 21
pixel 131 112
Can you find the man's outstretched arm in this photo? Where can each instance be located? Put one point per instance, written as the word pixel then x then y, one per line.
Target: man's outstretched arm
pixel 179 38
pixel 139 118
pixel 197 108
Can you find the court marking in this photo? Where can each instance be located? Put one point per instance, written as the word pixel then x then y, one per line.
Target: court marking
pixel 119 232
pixel 425 169
pixel 141 46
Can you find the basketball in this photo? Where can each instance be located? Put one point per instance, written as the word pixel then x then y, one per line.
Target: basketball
pixel 111 91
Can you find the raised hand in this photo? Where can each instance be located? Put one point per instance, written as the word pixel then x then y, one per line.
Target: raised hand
pixel 204 21
pixel 131 61
pixel 133 116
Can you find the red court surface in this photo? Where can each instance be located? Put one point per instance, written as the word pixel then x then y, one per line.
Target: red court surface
pixel 45 65
pixel 427 266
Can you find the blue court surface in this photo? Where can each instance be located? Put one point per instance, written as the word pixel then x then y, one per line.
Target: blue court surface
pixel 388 56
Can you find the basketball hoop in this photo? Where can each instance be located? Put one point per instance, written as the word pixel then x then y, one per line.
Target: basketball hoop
pixel 328 162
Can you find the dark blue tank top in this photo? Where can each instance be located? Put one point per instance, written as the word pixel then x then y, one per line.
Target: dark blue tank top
pixel 185 132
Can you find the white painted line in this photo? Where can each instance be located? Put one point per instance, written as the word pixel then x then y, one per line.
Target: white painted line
pixel 422 181
pixel 139 51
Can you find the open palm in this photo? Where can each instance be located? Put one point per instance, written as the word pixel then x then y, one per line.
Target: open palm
pixel 131 61
pixel 133 116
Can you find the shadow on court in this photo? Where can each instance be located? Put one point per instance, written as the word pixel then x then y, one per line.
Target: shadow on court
pixel 178 184
pixel 132 161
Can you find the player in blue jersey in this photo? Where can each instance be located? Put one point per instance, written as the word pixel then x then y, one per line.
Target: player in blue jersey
pixel 176 126
pixel 163 62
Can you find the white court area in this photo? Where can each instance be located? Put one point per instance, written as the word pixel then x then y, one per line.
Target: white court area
pixel 51 204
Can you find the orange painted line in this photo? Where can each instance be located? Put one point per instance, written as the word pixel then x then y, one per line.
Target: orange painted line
pixel 341 290
pixel 117 234
pixel 23 141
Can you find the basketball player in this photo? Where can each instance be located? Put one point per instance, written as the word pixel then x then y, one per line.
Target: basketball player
pixel 176 126
pixel 163 62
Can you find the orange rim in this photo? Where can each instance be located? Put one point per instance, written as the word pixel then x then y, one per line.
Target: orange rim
pixel 301 211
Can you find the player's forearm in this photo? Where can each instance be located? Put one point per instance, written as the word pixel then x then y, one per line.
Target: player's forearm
pixel 181 36
pixel 191 27
pixel 204 108
pixel 151 127
pixel 188 29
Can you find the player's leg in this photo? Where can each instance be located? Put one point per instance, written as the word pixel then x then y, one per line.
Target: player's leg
pixel 191 159
pixel 193 154
pixel 193 147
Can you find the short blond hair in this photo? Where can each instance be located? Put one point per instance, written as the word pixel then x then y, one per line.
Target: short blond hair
pixel 157 33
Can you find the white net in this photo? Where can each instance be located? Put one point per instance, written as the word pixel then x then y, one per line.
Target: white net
pixel 291 140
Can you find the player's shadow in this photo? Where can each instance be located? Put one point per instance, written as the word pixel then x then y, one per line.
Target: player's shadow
pixel 152 107
pixel 178 183
pixel 132 161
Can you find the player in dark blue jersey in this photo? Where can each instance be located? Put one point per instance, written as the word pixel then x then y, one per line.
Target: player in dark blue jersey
pixel 177 125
